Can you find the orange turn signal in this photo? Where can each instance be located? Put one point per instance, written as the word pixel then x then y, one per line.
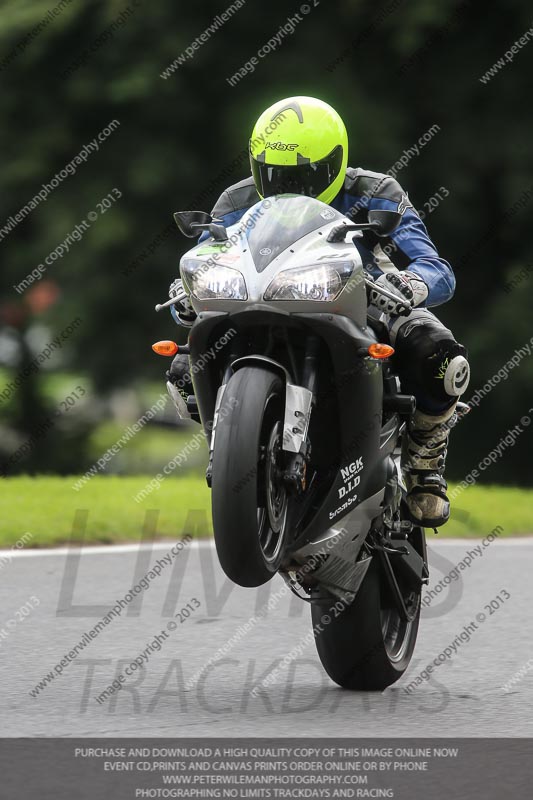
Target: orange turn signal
pixel 165 348
pixel 378 350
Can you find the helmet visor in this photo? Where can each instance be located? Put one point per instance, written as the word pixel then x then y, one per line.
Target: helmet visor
pixel 310 179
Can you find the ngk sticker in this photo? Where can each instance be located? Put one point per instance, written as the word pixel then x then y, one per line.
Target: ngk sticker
pixel 350 476
pixel 352 469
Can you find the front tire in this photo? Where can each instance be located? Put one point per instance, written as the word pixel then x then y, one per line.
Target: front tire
pixel 249 500
pixel 367 646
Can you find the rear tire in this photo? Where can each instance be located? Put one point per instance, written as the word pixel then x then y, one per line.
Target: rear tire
pixel 367 646
pixel 249 506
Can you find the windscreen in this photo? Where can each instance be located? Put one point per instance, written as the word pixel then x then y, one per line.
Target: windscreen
pixel 276 223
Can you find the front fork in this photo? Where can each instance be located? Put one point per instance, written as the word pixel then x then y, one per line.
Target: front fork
pixel 218 403
pixel 299 401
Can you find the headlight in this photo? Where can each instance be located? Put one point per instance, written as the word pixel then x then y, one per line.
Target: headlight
pixel 316 282
pixel 213 283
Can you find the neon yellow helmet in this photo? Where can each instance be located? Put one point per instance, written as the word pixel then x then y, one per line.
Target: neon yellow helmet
pixel 299 146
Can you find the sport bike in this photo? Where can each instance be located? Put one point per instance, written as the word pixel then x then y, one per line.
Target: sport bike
pixel 305 419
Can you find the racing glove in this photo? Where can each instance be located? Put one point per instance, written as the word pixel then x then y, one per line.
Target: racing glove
pixel 184 313
pixel 406 286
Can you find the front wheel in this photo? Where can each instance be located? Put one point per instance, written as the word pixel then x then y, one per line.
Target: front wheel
pixel 249 498
pixel 366 645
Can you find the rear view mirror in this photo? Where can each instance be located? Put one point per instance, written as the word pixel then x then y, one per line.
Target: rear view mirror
pixel 384 222
pixel 190 222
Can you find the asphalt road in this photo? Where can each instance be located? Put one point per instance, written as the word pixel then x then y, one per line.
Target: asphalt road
pixel 464 696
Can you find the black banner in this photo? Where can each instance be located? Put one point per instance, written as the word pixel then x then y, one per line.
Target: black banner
pixel 125 769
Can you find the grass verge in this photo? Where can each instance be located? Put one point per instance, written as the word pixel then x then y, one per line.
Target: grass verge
pixel 46 507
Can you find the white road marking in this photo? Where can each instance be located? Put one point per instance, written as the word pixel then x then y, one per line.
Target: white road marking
pixel 112 549
pixel 196 544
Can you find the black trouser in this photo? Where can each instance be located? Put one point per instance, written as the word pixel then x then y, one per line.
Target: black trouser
pixel 424 360
pixel 179 374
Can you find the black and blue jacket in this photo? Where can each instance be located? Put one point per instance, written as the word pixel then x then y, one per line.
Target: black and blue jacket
pixel 408 247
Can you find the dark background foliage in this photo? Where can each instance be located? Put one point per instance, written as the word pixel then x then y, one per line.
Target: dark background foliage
pixel 392 69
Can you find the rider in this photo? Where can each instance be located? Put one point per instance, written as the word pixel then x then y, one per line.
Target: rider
pixel 300 145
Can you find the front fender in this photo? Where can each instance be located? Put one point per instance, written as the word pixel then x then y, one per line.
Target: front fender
pixel 262 361
pixel 298 401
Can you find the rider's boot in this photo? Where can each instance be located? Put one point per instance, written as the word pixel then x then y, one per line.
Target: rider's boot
pixel 424 460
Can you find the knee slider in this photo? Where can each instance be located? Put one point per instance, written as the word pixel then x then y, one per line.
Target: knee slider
pixel 452 367
pixel 457 376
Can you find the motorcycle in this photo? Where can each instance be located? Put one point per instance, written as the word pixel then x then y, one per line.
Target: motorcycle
pixel 305 419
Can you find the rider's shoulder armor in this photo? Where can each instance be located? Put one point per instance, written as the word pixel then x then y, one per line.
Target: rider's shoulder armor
pixel 240 196
pixel 358 183
pixel 364 183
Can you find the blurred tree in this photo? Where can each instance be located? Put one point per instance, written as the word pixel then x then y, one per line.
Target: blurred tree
pixel 393 70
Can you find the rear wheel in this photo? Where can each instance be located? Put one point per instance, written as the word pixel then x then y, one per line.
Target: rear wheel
pixel 367 645
pixel 249 498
